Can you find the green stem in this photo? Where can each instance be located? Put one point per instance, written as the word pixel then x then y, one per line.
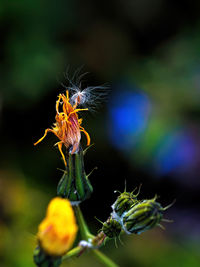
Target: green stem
pixel 85 234
pixel 104 259
pixel 72 253
pixel 84 231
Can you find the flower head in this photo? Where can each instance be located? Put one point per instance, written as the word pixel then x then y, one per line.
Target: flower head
pixel 67 126
pixel 57 232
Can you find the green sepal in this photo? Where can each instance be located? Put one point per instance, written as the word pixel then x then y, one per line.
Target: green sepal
pixel 142 217
pixel 42 259
pixel 74 184
pixel 123 203
pixel 111 228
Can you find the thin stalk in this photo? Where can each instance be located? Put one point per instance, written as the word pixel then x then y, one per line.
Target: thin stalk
pixel 84 231
pixel 104 259
pixel 72 253
pixel 85 234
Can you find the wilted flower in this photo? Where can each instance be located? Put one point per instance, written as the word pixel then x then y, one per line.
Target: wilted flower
pixel 67 126
pixel 57 231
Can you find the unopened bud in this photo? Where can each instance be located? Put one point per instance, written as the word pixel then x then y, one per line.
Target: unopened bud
pixel 142 217
pixel 124 202
pixel 111 228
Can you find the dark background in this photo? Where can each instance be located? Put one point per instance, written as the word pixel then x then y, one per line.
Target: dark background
pixel 146 129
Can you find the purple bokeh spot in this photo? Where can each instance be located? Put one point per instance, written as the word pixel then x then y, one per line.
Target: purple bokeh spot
pixel 177 152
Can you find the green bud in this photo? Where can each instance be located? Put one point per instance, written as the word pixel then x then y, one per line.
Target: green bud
pixel 41 259
pixel 142 217
pixel 74 184
pixel 123 203
pixel 111 228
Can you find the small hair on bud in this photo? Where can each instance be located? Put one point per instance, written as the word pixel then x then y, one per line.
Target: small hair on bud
pixel 95 168
pixel 119 237
pixel 167 220
pixel 98 220
pixel 155 197
pixel 168 206
pixel 117 191
pixel 64 171
pixel 86 149
pixel 139 188
pixel 161 226
pixel 125 185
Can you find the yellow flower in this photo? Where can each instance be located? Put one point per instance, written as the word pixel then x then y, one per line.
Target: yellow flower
pixel 67 126
pixel 57 231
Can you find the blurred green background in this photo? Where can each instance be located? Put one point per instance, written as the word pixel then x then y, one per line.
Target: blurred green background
pixel 147 130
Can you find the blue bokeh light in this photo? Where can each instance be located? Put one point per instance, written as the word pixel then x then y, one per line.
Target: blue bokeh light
pixel 128 116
